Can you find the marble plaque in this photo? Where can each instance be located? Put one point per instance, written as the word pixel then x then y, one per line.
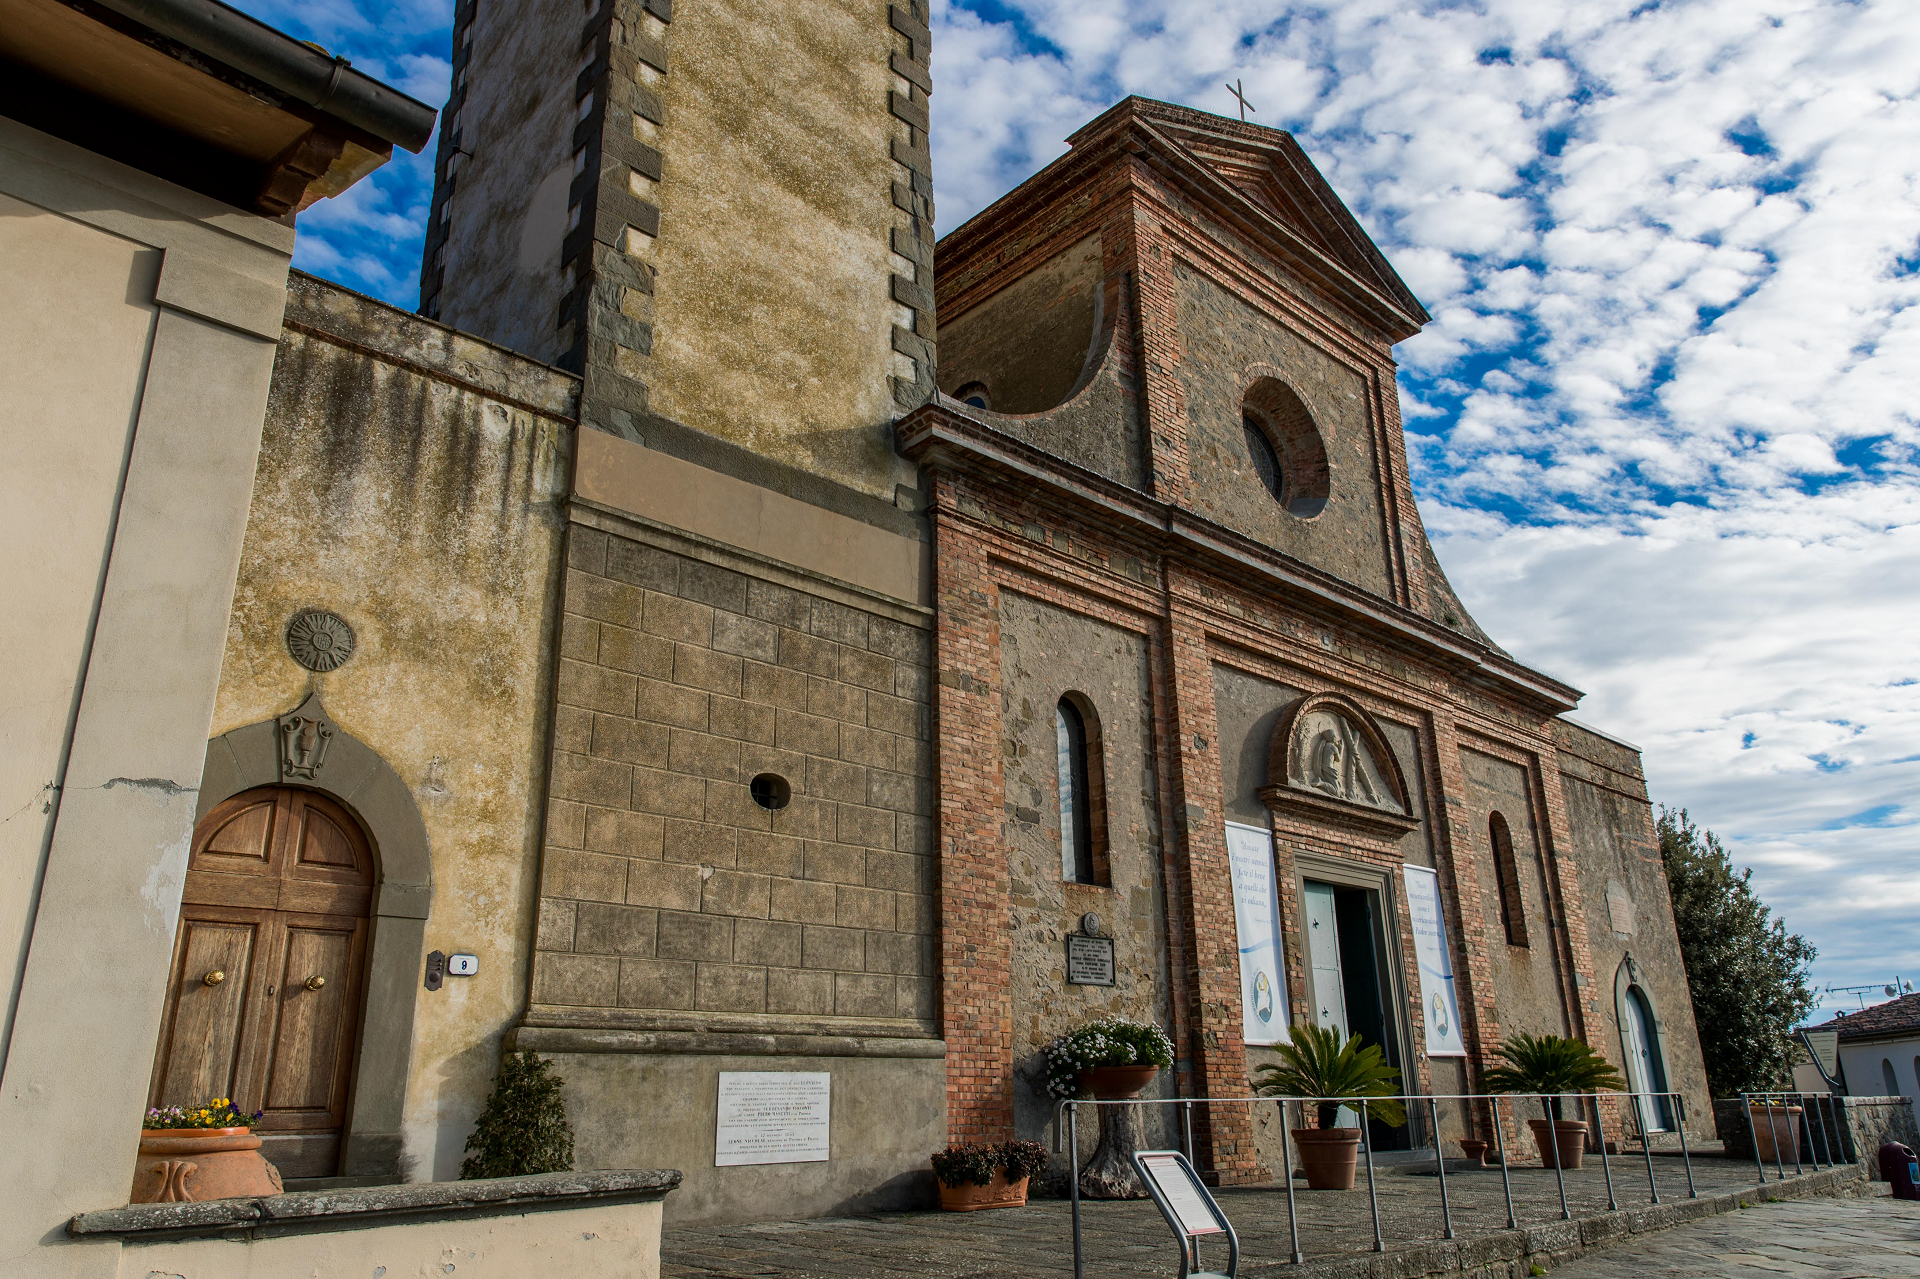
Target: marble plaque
pixel 772 1117
pixel 1089 960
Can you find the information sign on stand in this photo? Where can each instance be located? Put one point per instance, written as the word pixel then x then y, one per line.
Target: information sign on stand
pixel 1190 1210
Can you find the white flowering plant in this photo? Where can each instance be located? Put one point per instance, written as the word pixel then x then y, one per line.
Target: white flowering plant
pixel 1110 1041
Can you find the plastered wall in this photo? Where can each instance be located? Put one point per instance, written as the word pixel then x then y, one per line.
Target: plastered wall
pixel 1225 343
pixel 507 214
pixel 1046 652
pixel 771 312
pixel 1031 342
pixel 411 487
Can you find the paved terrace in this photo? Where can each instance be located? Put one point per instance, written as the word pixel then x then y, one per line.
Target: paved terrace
pixel 1125 1239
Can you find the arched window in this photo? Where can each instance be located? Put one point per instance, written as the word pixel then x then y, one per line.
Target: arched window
pixel 1083 816
pixel 1285 447
pixel 1887 1076
pixel 1507 876
pixel 975 395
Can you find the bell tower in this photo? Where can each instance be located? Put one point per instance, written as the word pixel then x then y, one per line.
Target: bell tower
pixel 719 214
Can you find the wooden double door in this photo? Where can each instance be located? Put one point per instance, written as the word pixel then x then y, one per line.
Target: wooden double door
pixel 269 967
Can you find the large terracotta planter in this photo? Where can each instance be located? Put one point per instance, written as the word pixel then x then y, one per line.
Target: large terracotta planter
pixel 1569 1136
pixel 1475 1151
pixel 1776 1121
pixel 1330 1156
pixel 998 1193
pixel 189 1165
pixel 1115 1083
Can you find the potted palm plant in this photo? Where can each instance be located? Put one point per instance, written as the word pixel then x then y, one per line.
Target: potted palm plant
pixel 1550 1065
pixel 1317 1066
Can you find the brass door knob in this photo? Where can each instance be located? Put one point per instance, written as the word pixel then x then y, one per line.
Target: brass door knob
pixel 316 982
pixel 214 978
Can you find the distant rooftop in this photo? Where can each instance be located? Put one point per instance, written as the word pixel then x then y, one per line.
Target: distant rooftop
pixel 1895 1017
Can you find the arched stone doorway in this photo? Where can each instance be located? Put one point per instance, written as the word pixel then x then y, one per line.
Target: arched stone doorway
pixel 1643 1044
pixel 264 1004
pixel 355 777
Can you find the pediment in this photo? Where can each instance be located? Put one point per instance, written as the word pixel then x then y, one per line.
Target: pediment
pixel 1270 172
pixel 1329 762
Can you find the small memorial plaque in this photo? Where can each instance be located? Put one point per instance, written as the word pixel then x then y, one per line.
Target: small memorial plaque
pixel 1089 960
pixel 772 1117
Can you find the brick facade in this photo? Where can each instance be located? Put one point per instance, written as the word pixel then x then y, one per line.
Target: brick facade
pixel 1227 261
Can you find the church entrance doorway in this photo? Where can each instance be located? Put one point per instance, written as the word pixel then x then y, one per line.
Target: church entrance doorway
pixel 264 1002
pixel 1646 1073
pixel 1347 982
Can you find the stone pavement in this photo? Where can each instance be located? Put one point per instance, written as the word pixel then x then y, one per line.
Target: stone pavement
pixel 1816 1238
pixel 1126 1239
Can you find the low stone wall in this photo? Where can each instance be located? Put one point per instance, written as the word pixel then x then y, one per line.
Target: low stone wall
pixel 1843 1129
pixel 577 1223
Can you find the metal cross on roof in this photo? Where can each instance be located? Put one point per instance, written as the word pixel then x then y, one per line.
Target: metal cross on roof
pixel 1245 106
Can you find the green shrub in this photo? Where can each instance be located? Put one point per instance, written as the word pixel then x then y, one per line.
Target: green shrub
pixel 1318 1066
pixel 1023 1159
pixel 523 1129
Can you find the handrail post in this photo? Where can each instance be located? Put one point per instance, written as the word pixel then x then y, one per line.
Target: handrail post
pixel 1834 1109
pixel 1073 1146
pixel 1559 1164
pixel 1773 1131
pixel 1753 1132
pixel 1440 1162
pixel 1793 1134
pixel 1286 1156
pixel 1373 1196
pixel 1686 1156
pixel 1506 1174
pixel 1186 1117
pixel 1646 1146
pixel 1600 1121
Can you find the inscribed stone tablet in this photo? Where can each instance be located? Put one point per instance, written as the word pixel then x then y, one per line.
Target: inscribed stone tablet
pixel 1180 1194
pixel 1089 960
pixel 772 1117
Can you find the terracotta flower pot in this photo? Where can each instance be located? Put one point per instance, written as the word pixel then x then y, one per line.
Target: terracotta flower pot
pixel 1569 1135
pixel 189 1165
pixel 998 1193
pixel 1113 1083
pixel 1330 1156
pixel 1475 1151
pixel 1775 1122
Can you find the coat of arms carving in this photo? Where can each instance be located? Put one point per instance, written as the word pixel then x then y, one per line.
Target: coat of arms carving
pixel 304 737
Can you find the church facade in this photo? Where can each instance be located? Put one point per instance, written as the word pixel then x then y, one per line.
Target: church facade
pixel 676 653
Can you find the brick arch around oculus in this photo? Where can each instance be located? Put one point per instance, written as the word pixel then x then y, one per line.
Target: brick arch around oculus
pixel 355 776
pixel 1268 398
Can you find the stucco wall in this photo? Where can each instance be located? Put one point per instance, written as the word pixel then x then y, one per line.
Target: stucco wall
pixel 1030 342
pixel 1045 653
pixel 1623 889
pixel 509 210
pixel 1222 341
pixel 411 487
pixel 772 319
pixel 76 313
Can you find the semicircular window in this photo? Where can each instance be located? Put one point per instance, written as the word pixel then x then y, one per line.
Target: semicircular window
pixel 1286 448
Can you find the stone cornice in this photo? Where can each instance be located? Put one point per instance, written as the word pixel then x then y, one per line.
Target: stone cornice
pixel 937 436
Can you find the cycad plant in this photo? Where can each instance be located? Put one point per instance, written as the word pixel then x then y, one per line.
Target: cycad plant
pixel 1551 1065
pixel 1317 1065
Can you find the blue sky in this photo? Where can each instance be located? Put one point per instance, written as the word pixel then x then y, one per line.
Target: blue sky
pixel 1662 427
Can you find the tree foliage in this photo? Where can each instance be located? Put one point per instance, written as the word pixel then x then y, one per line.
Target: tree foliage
pixel 1747 972
pixel 523 1128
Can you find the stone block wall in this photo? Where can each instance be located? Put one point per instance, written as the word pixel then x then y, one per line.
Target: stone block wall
pixel 666 889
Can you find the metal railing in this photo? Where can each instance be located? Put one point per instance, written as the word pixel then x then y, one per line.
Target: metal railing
pixel 1779 1124
pixel 1636 1103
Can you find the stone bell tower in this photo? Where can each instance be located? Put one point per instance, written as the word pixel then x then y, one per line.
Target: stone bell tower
pixel 718 213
